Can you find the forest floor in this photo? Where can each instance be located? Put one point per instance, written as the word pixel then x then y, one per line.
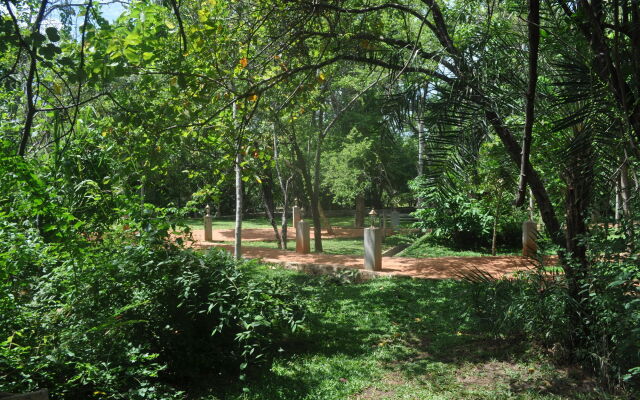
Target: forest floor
pixel 400 339
pixel 432 268
pixel 394 338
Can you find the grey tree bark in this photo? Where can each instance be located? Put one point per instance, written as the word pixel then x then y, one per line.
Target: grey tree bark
pixel 237 247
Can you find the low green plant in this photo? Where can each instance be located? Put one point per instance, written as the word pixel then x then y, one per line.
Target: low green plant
pixel 536 305
pixel 139 321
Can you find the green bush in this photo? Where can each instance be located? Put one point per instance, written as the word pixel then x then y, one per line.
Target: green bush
pixel 537 306
pixel 463 216
pixel 459 218
pixel 132 321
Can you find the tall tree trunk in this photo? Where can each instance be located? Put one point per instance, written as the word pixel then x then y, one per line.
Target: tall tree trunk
pixel 618 200
pixel 284 187
pixel 284 220
pixel 421 149
pixel 624 188
pixel 531 205
pixel 579 180
pixel 325 221
pixel 626 205
pixel 315 199
pixel 534 44
pixel 360 211
pixel 237 248
pixel 536 184
pixel 494 236
pixel 31 75
pixel 266 188
pixel 308 185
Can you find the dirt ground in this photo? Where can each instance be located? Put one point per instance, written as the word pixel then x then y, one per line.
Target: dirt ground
pixel 265 234
pixel 432 268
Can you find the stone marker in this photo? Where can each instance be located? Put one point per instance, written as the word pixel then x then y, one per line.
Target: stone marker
pixel 303 239
pixel 208 228
pixel 296 216
pixel 529 236
pixel 395 220
pixel 373 249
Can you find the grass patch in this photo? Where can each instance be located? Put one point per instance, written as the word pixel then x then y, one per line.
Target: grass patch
pixel 341 246
pixel 427 247
pixel 354 247
pixel 399 339
pixel 261 222
pixel 229 223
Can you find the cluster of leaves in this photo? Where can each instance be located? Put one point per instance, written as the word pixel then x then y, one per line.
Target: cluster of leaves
pixel 127 322
pixel 464 220
pixel 124 314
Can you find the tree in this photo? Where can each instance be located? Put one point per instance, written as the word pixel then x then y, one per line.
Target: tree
pixel 471 59
pixel 351 172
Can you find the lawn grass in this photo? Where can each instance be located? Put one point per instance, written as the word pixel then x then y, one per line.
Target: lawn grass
pixel 429 247
pixel 432 250
pixel 229 223
pixel 261 222
pixel 397 338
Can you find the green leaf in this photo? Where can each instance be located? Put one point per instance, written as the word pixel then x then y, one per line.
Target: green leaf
pixel 37 37
pixel 132 55
pixel 147 55
pixel 48 51
pixel 52 34
pixel 66 61
pixel 132 39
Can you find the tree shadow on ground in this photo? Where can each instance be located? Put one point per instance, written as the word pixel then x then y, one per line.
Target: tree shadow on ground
pixel 423 323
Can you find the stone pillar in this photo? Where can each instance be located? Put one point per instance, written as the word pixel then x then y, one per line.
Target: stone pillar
pixel 208 226
pixel 296 216
pixel 303 238
pixel 529 236
pixel 372 249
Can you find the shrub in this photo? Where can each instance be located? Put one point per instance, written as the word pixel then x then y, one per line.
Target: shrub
pixel 130 321
pixel 459 219
pixel 537 306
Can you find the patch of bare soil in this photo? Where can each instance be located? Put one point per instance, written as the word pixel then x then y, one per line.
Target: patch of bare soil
pixel 430 268
pixel 375 393
pixel 487 374
pixel 519 378
pixel 267 234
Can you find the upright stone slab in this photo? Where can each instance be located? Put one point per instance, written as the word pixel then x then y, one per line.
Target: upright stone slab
pixel 303 238
pixel 372 249
pixel 208 225
pixel 395 220
pixel 296 216
pixel 529 236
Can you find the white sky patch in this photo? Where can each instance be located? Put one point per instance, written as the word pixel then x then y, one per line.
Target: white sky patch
pixel 110 10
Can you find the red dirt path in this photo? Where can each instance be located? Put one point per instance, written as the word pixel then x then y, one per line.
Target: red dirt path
pixel 265 234
pixel 432 268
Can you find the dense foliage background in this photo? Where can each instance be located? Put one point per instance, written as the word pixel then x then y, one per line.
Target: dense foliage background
pixel 114 129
